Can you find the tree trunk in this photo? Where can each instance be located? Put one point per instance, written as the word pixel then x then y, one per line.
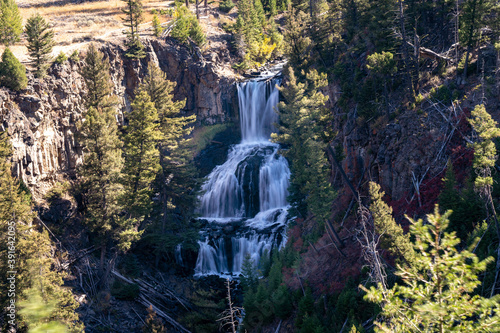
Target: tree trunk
pixel 103 257
pixel 469 41
pixel 187 3
pixel 405 47
pixel 197 10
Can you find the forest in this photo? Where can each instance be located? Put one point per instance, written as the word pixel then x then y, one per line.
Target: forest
pixel 250 166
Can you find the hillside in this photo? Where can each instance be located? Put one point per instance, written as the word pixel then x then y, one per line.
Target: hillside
pixel 335 160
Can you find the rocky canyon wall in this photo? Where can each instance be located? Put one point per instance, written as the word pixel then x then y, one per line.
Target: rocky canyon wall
pixel 41 119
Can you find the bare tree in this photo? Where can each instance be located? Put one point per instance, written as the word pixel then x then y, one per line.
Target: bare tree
pixel 231 315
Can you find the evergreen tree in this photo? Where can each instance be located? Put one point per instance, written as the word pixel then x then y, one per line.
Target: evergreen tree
pixel 157 29
pixel 133 12
pixel 101 174
pixel 187 26
pixel 484 149
pixel 301 129
pixel 12 72
pixel 176 180
pixel 437 294
pixel 38 314
pixel 40 42
pixel 473 17
pixel 142 158
pixel 32 258
pixel 467 207
pixel 298 43
pixel 11 23
pixel 95 73
pixel 392 237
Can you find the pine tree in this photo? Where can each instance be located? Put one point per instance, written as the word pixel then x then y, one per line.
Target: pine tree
pixel 133 12
pixel 95 73
pixel 33 255
pixel 176 179
pixel 157 29
pixel 473 18
pixel 100 175
pixel 301 129
pixel 392 237
pixel 142 158
pixel 12 72
pixel 11 23
pixel 40 42
pixel 298 44
pixel 438 288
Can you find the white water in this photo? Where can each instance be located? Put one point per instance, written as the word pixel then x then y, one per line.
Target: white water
pixel 249 190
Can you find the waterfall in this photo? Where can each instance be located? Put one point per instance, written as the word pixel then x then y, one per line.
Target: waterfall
pixel 244 201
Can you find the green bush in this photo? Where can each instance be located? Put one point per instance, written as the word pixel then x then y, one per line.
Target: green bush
pixel 75 56
pixel 124 291
pixel 186 26
pixel 226 6
pixel 12 72
pixel 61 58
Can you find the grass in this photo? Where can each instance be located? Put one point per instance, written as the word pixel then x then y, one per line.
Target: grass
pixel 204 135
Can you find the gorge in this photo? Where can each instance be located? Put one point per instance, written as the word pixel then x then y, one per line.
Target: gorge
pixel 243 205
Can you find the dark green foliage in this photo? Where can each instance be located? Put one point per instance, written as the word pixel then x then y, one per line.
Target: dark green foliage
pixel 175 182
pixel 142 157
pixel 187 26
pixel 40 42
pixel 226 5
pixel 249 275
pixel 124 291
pixel 468 208
pixel 449 278
pixel 61 58
pixel 157 29
pixel 12 72
pixel 133 17
pixel 39 290
pixel 95 73
pixel 303 124
pixel 392 237
pixel 11 23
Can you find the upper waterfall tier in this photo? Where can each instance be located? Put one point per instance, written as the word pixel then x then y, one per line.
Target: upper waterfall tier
pixel 257 101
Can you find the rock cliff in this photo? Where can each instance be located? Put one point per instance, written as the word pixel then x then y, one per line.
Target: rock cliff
pixel 41 119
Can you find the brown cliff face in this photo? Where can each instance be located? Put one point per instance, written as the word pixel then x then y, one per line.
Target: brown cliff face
pixel 41 119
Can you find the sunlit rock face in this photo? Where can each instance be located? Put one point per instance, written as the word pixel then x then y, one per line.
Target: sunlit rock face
pixel 41 119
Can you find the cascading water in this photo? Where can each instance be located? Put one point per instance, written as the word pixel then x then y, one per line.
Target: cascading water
pixel 244 200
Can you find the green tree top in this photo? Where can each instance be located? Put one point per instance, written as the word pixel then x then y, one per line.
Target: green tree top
pixel 133 12
pixel 34 254
pixel 302 132
pixel 12 72
pixel 11 23
pixel 40 42
pixel 142 158
pixel 437 294
pixel 484 149
pixel 95 73
pixel 392 237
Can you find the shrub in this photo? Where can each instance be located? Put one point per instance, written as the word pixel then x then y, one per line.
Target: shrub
pixel 186 26
pixel 124 291
pixel 12 72
pixel 226 6
pixel 157 29
pixel 75 56
pixel 61 58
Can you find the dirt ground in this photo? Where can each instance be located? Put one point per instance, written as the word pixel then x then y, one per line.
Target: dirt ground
pixel 79 22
